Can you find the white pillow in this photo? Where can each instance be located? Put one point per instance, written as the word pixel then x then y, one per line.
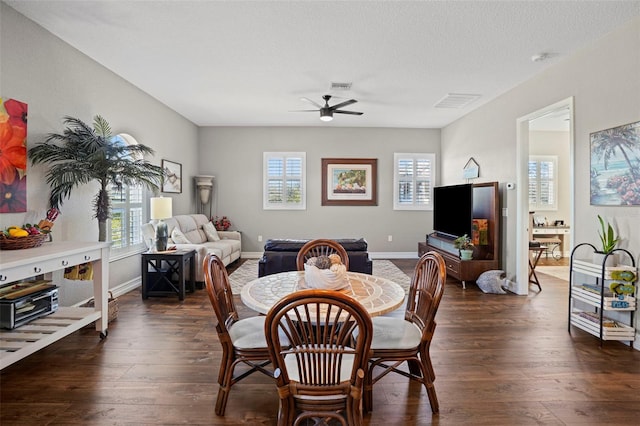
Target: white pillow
pixel 210 232
pixel 491 282
pixel 178 237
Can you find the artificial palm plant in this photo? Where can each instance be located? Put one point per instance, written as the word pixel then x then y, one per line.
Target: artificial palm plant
pixel 83 154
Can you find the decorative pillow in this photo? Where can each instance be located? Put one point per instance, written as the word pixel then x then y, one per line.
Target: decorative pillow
pixel 211 232
pixel 178 237
pixel 491 282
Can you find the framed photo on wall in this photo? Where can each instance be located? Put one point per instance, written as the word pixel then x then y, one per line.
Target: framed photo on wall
pixel 171 177
pixel 349 182
pixel 615 168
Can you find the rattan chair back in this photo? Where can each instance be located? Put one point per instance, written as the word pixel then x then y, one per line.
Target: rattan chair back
pixel 255 354
pixel 423 300
pixel 321 247
pixel 321 373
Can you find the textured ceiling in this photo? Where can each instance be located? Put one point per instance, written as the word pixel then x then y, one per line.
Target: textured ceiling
pixel 238 63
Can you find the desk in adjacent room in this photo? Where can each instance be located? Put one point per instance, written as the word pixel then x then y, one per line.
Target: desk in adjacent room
pixel 550 235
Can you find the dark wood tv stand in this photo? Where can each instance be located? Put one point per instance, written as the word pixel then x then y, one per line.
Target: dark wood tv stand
pixel 486 205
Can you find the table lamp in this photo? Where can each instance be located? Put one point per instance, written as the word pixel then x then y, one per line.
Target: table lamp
pixel 161 209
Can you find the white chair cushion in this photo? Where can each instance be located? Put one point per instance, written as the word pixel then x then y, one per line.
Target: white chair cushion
pixel 211 232
pixel 394 333
pixel 248 333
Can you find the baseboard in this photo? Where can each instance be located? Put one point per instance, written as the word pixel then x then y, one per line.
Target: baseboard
pixel 119 290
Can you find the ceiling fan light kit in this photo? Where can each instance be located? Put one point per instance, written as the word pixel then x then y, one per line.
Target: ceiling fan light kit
pixel 326 111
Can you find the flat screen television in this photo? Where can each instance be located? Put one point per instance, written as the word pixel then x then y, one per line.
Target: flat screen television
pixel 453 210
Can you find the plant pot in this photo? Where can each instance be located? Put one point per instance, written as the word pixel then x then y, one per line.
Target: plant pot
pixel 599 258
pixel 466 254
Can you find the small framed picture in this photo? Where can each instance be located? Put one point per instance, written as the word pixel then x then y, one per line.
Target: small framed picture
pixel 171 177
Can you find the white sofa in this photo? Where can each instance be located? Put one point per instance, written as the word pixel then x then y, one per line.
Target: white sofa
pixel 228 248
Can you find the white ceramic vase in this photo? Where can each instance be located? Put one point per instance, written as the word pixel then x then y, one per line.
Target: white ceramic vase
pixel 599 258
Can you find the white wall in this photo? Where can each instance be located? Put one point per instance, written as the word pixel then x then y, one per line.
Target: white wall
pixel 234 156
pixel 604 81
pixel 56 80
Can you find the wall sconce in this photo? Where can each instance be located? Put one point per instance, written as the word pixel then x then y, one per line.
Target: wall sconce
pixel 161 209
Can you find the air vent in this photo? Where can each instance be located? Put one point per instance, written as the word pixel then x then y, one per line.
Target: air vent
pixel 340 86
pixel 456 100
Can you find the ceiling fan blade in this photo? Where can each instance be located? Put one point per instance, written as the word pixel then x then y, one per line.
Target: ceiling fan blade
pixel 304 110
pixel 343 104
pixel 348 112
pixel 311 102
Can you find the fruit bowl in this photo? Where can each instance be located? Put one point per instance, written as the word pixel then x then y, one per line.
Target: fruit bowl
pixel 18 243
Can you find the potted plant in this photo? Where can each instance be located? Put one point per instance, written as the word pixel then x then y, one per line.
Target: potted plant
pixel 608 241
pixel 83 154
pixel 465 246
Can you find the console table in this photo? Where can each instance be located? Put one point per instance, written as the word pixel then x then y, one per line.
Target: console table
pixel 552 235
pixel 51 259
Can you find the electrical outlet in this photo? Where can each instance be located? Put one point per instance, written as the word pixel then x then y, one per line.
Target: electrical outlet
pixel 259 237
pixel 390 238
pixel 504 212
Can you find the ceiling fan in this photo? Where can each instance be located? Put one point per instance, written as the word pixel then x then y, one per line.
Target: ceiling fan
pixel 326 111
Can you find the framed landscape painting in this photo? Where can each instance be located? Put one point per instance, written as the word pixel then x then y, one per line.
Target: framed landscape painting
pixel 615 166
pixel 171 177
pixel 349 182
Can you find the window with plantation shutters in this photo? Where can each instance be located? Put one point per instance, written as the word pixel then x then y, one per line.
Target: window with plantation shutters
pixel 543 182
pixel 414 179
pixel 284 181
pixel 127 213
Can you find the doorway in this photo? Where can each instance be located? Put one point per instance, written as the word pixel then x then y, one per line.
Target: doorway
pixel 554 203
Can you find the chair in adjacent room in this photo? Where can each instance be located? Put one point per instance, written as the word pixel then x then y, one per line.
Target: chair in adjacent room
pixel 321 374
pixel 243 340
pixel 396 340
pixel 321 247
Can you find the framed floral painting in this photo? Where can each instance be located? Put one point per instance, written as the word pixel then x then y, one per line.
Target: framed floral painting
pixel 615 166
pixel 13 156
pixel 349 182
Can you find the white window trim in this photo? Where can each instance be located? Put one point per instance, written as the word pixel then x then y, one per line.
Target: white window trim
pixel 546 207
pixel 130 250
pixel 396 180
pixel 266 205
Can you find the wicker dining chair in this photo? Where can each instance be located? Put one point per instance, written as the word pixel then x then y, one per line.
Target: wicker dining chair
pixel 321 247
pixel 396 340
pixel 321 374
pixel 242 340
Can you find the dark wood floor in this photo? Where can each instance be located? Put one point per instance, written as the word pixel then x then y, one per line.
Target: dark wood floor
pixel 499 360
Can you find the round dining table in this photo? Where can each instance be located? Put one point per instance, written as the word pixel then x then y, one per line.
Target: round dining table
pixel 378 295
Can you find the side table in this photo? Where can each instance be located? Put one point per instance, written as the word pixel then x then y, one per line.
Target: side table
pixel 159 269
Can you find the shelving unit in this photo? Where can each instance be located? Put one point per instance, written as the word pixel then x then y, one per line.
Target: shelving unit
pixel 593 307
pixel 50 260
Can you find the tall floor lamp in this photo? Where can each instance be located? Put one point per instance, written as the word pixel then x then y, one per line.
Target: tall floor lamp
pixel 161 209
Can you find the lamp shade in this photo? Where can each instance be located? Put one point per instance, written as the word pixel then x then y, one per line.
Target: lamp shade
pixel 160 208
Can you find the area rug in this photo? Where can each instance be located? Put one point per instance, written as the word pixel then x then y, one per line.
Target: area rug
pixel 248 271
pixel 561 272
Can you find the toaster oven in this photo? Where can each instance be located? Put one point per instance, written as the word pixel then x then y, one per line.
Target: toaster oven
pixel 26 301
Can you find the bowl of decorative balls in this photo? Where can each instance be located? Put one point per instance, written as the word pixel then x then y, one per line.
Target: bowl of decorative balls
pixel 325 272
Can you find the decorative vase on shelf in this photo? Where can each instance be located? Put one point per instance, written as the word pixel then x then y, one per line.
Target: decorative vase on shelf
pixel 599 258
pixel 466 254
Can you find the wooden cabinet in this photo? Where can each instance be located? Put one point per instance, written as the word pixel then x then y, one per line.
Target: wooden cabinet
pixel 486 257
pixel 52 258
